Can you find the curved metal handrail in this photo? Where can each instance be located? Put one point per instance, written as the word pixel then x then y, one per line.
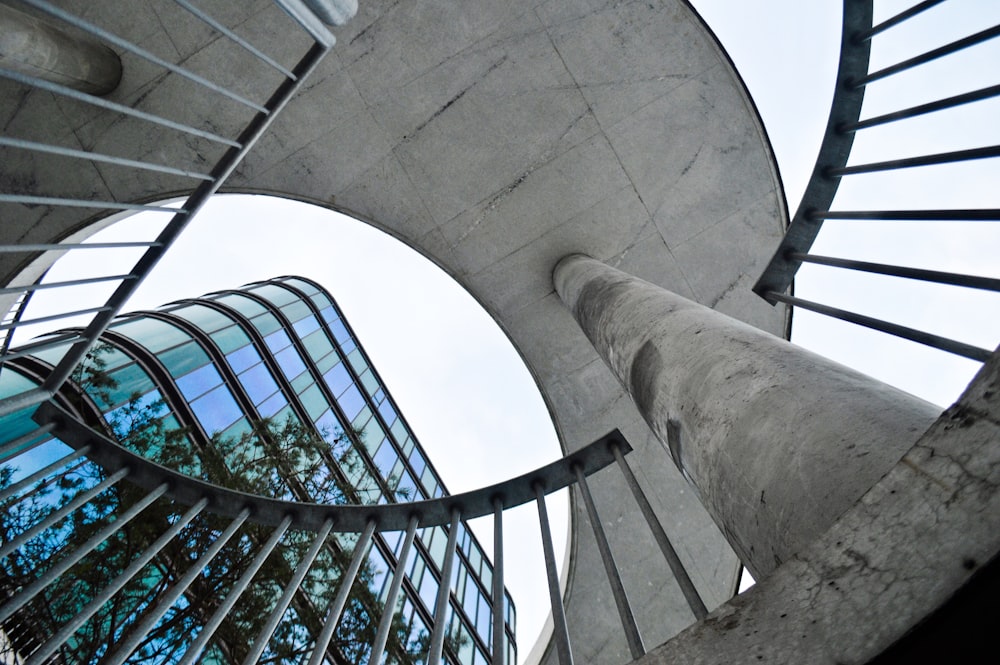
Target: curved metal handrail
pixel 188 491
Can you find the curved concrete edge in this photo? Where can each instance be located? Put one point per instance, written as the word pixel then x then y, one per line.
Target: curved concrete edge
pixel 900 553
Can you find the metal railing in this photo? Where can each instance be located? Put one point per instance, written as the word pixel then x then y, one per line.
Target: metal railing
pixel 832 166
pixel 180 135
pixel 231 510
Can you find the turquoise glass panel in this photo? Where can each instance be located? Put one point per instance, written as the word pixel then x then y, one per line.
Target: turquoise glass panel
pixel 204 317
pixel 181 360
pixel 242 304
pixel 276 294
pixel 153 334
pixel 231 338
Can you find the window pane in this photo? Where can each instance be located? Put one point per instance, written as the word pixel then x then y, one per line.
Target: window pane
pixel 204 317
pixel 351 402
pixel 316 343
pixel 357 361
pixel 199 381
pixel 277 341
pixel 290 362
pixel 296 310
pixel 130 380
pixel 183 359
pixel 276 294
pixel 216 410
pixel 301 285
pixel 243 358
pixel 272 405
pixel 258 383
pixel 231 338
pixel 154 334
pixel 265 324
pixel 339 331
pixel 338 379
pixel 315 401
pixel 242 304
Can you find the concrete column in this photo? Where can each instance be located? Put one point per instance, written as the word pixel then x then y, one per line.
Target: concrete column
pixel 37 47
pixel 778 441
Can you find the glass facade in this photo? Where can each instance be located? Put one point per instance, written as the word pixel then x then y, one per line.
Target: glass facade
pixel 280 353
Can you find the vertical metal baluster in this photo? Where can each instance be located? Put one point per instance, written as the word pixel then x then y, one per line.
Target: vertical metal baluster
pixel 499 632
pixel 195 650
pixel 611 568
pixel 47 649
pixel 385 623
pixel 560 630
pixel 49 576
pixel 291 588
pixel 444 591
pixel 676 567
pixel 41 473
pixel 57 515
pixel 337 606
pixel 137 634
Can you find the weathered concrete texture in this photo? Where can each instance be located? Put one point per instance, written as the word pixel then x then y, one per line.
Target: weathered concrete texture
pixel 37 47
pixel 493 136
pixel 897 555
pixel 777 440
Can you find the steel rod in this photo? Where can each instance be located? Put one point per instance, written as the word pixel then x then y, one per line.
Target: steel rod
pixel 680 574
pixel 436 649
pixel 28 593
pixel 208 630
pixel 24 399
pixel 126 45
pixel 59 285
pixel 134 637
pixel 250 48
pixel 560 631
pixel 899 18
pixel 389 609
pixel 336 609
pixel 938 277
pixel 922 160
pixel 82 203
pixel 11 446
pixel 934 54
pixel 59 514
pixel 98 157
pixel 260 643
pixel 499 620
pixel 919 336
pixel 41 473
pixel 922 109
pixel 247 139
pixel 306 18
pixel 64 91
pixel 52 317
pixel 42 654
pixel 632 636
pixel 58 247
pixel 954 215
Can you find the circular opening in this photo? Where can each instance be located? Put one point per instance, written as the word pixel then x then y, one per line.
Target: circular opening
pixel 453 373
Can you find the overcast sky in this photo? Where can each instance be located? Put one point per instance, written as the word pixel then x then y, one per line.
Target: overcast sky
pixel 461 385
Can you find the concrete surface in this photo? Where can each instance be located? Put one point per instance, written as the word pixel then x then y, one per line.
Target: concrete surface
pixel 493 136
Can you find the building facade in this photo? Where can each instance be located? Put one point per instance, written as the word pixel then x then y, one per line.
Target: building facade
pixel 267 389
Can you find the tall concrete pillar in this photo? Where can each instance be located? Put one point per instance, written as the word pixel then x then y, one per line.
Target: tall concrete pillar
pixel 37 47
pixel 777 441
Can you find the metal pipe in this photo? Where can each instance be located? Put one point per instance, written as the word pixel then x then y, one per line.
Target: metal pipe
pixel 53 317
pixel 208 630
pixel 899 18
pixel 560 631
pixel 41 473
pixel 126 45
pixel 919 336
pixel 137 634
pixel 27 398
pixel 934 54
pixel 260 643
pixel 691 594
pixel 81 203
pixel 436 648
pixel 954 215
pixel 389 610
pixel 922 109
pixel 305 17
pixel 58 247
pixel 57 285
pixel 29 592
pixel 935 276
pixel 922 160
pixel 57 515
pixel 499 620
pixel 206 18
pixel 55 88
pixel 50 149
pixel 247 139
pixel 12 445
pixel 336 608
pixel 42 654
pixel 632 635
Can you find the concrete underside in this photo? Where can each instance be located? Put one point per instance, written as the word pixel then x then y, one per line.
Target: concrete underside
pixel 494 137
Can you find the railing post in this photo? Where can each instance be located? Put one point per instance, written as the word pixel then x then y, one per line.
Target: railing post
pixel 499 621
pixel 389 611
pixel 444 591
pixel 632 635
pixel 336 609
pixel 560 631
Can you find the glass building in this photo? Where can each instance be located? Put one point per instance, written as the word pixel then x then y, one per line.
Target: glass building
pixel 267 389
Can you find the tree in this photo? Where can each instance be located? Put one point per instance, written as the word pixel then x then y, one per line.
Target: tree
pixel 286 460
